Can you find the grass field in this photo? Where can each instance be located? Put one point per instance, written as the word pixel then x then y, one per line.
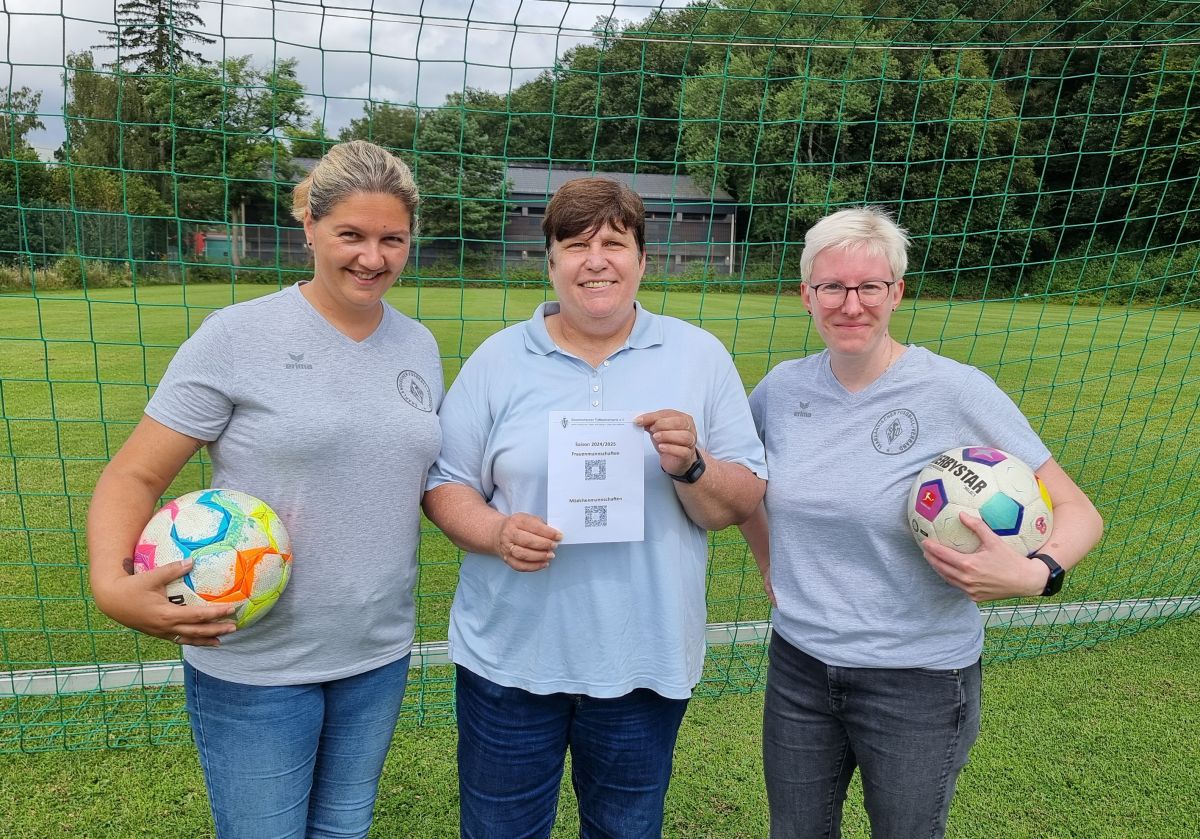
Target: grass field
pixel 1113 390
pixel 1099 743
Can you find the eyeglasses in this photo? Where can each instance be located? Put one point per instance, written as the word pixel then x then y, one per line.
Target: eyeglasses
pixel 870 293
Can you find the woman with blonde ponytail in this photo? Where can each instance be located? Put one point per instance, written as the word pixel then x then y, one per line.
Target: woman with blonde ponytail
pixel 321 399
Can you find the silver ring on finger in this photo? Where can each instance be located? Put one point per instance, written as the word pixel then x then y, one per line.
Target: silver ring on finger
pixel 175 640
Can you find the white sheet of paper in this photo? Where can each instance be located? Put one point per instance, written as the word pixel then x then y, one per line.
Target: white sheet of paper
pixel 596 478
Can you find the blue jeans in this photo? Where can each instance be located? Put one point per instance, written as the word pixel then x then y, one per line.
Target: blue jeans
pixel 294 760
pixel 512 746
pixel 907 730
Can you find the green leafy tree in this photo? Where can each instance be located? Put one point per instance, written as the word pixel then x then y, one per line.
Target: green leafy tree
pixel 308 142
pixel 1160 145
pixel 614 103
pixel 107 190
pixel 770 123
pixel 462 187
pixel 200 145
pixel 151 36
pixel 457 164
pixel 107 164
pixel 391 126
pixel 794 131
pixel 108 122
pixel 25 181
pixel 489 117
pixel 1069 102
pixel 19 114
pixel 220 136
pixel 953 169
pixel 1074 105
pixel 112 159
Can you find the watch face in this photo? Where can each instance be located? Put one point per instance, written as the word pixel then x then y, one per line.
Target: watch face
pixel 1055 580
pixel 693 472
pixel 1054 584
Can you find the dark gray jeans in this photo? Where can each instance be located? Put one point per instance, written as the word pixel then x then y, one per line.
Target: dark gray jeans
pixel 907 730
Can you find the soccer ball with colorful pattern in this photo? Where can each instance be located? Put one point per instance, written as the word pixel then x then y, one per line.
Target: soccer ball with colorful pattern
pixel 240 550
pixel 988 483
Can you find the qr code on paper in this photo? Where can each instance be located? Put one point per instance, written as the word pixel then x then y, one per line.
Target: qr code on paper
pixel 595 470
pixel 595 515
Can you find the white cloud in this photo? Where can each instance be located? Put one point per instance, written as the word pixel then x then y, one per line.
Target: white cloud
pixel 347 51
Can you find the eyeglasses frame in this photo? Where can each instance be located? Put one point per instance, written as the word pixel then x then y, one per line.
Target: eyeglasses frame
pixel 847 289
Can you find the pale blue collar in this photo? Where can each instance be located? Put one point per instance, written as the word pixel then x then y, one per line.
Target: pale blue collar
pixel 647 329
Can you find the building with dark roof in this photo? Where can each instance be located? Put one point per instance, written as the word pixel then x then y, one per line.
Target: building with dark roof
pixel 685 224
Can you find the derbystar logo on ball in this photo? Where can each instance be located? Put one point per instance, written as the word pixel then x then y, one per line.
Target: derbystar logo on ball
pixel 987 483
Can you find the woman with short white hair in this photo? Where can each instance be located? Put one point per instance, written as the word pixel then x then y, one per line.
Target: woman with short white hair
pixel 875 653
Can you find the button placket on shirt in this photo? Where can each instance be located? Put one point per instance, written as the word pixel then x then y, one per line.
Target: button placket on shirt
pixel 595 383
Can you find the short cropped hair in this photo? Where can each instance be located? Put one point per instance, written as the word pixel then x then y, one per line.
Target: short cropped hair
pixel 868 228
pixel 584 205
pixel 350 169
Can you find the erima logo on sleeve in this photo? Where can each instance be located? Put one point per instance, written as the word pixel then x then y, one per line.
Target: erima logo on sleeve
pixel 414 390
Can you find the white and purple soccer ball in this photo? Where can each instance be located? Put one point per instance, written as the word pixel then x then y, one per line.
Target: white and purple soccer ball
pixel 993 485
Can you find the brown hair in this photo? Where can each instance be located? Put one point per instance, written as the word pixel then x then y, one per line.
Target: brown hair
pixel 584 205
pixel 349 169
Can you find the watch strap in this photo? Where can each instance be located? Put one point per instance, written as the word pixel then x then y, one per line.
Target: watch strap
pixel 1055 580
pixel 693 472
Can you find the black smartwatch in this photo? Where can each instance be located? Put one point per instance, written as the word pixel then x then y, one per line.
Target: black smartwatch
pixel 693 473
pixel 1055 580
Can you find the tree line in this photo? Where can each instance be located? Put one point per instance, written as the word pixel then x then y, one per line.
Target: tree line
pixel 994 154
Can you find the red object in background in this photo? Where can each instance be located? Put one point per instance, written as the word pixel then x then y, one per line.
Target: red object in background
pixel 198 241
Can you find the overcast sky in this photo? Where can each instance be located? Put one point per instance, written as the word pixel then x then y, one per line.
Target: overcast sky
pixel 395 51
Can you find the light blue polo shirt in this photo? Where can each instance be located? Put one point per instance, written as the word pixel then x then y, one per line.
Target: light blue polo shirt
pixel 601 620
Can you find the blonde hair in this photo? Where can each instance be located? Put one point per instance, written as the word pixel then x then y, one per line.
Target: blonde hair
pixel 351 168
pixel 870 228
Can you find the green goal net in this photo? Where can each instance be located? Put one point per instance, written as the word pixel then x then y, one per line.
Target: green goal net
pixel 1044 156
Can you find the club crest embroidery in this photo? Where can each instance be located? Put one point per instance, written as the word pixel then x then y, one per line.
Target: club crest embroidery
pixel 895 432
pixel 415 391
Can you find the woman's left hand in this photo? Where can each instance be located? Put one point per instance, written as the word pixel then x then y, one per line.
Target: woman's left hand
pixel 675 439
pixel 993 572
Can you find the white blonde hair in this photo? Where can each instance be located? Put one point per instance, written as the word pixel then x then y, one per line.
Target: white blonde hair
pixel 868 228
